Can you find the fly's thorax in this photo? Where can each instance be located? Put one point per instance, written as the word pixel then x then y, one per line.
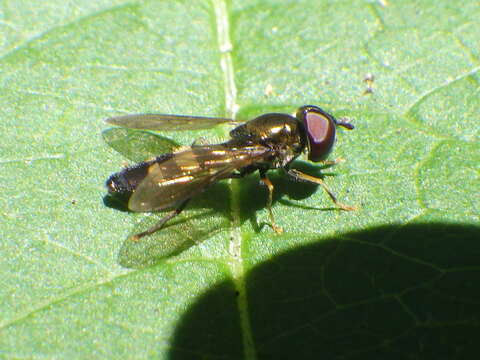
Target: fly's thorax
pixel 273 130
pixel 284 156
pixel 282 133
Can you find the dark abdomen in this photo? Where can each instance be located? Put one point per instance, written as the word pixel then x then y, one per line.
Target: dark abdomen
pixel 125 182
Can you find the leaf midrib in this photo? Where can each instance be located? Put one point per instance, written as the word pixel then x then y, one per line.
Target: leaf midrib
pixel 235 262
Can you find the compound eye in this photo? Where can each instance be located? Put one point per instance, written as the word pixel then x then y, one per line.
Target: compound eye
pixel 320 128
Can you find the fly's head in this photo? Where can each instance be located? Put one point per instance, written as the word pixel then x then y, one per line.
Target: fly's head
pixel 320 128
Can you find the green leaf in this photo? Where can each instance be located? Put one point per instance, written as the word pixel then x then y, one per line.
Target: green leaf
pixel 397 278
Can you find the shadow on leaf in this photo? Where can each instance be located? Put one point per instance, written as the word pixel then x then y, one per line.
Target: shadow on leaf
pixel 204 217
pixel 392 292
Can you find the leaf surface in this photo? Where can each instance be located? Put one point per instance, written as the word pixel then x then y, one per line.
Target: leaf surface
pixel 398 276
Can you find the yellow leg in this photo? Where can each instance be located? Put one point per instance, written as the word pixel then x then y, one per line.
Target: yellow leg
pixel 269 185
pixel 304 177
pixel 158 226
pixel 333 162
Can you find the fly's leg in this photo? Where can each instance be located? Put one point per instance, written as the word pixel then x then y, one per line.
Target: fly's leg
pixel 332 162
pixel 268 183
pixel 298 175
pixel 159 225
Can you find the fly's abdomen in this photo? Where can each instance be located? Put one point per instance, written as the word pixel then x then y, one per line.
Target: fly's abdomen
pixel 125 182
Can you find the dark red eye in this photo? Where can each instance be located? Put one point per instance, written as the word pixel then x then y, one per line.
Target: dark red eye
pixel 320 129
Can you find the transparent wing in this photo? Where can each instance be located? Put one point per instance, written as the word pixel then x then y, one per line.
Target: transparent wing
pixel 138 145
pixel 188 173
pixel 166 122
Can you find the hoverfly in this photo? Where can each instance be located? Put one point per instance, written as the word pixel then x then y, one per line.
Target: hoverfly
pixel 270 141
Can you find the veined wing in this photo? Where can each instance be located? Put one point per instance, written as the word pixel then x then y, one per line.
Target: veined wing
pixel 138 145
pixel 166 122
pixel 189 172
